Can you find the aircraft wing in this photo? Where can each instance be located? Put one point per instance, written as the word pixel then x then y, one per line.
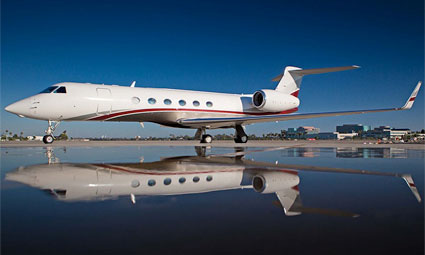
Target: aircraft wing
pixel 232 121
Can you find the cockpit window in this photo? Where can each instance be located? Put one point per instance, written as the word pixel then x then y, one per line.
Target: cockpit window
pixel 60 90
pixel 49 89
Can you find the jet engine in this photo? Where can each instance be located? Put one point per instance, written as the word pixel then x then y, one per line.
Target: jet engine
pixel 274 181
pixel 274 101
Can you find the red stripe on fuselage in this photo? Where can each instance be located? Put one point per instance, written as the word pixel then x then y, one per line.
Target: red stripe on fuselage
pixel 113 115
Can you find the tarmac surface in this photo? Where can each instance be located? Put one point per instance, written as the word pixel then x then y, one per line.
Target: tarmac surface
pixel 257 143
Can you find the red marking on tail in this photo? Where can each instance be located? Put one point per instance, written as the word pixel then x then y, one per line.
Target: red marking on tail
pixel 412 99
pixel 295 94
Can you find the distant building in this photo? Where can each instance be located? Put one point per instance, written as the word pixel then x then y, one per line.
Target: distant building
pixel 327 136
pixel 352 128
pixel 333 136
pixel 398 133
pixel 387 132
pixel 302 132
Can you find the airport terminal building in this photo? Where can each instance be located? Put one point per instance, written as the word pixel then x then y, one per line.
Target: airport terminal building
pixel 347 131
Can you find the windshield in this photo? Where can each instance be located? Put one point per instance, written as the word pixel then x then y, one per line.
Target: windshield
pixel 60 90
pixel 49 89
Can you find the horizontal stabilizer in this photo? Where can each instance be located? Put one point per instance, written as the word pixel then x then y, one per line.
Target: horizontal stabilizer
pixel 301 72
pixel 324 70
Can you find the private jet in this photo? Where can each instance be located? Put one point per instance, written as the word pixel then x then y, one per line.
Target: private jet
pixel 69 101
pixel 71 182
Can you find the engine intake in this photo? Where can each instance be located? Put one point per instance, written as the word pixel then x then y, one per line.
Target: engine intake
pixel 274 181
pixel 274 101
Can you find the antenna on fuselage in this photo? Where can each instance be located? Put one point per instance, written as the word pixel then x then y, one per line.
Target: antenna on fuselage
pixel 133 84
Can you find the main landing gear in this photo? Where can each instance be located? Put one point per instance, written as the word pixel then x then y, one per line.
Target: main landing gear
pixel 201 135
pixel 240 136
pixel 49 138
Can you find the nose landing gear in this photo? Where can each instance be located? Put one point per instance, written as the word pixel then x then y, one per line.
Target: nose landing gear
pixel 49 138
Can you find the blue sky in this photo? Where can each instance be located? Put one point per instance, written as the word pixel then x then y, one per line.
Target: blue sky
pixel 224 46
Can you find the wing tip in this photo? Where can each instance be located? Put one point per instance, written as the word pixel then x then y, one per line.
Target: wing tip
pixel 411 184
pixel 409 103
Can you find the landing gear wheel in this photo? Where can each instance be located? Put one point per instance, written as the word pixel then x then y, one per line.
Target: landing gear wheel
pixel 206 139
pixel 47 139
pixel 241 139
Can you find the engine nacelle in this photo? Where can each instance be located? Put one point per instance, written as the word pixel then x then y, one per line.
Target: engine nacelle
pixel 274 101
pixel 274 181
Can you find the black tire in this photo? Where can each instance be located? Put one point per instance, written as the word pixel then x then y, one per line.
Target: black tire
pixel 241 139
pixel 48 139
pixel 206 139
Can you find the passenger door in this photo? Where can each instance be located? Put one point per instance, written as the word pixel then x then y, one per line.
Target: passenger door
pixel 104 105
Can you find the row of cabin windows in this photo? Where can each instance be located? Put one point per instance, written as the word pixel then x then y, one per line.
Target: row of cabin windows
pixel 181 102
pixel 167 181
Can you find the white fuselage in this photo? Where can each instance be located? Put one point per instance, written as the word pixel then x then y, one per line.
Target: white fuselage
pixel 83 101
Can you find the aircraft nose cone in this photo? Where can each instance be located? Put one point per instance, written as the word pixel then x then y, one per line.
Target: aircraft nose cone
pixel 11 108
pixel 17 108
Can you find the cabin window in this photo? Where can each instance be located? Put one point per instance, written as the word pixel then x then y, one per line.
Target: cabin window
pixel 196 179
pixel 135 100
pixel 195 103
pixel 152 100
pixel 209 178
pixel 151 182
pixel 209 104
pixel 167 101
pixel 167 181
pixel 60 90
pixel 135 183
pixel 182 102
pixel 49 89
pixel 182 180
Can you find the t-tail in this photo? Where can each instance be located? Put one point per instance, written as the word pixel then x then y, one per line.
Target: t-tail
pixel 290 79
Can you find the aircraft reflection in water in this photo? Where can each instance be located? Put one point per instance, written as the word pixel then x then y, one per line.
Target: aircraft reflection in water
pixel 180 175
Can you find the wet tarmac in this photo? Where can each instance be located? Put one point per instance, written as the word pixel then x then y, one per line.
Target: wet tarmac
pixel 192 200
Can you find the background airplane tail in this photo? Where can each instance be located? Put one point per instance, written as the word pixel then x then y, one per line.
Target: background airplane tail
pixel 290 79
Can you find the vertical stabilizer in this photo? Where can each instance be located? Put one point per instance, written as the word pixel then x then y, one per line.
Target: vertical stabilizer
pixel 289 83
pixel 289 199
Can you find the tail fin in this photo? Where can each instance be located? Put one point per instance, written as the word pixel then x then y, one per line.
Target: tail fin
pixel 290 80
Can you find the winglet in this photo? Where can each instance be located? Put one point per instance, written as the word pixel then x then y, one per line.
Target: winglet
pixel 133 84
pixel 411 100
pixel 409 180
